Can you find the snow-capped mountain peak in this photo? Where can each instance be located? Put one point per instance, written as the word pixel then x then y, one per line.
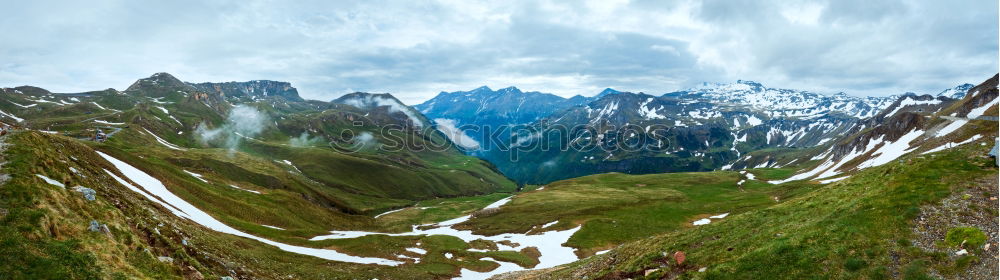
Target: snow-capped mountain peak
pixel 956 92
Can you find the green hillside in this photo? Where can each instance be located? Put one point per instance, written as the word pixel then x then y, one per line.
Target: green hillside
pixel 883 222
pixel 615 208
pixel 325 184
pixel 45 235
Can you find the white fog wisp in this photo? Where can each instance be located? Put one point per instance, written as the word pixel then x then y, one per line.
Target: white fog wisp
pixel 378 101
pixel 455 134
pixel 242 122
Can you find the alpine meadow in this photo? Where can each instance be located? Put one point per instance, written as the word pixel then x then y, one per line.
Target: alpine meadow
pixel 439 139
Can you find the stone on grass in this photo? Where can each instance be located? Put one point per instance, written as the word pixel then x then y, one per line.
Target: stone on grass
pixel 193 274
pixel 88 193
pixel 679 257
pixel 106 230
pixel 99 227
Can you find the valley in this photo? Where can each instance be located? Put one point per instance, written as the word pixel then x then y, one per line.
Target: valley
pixel 248 180
pixel 500 140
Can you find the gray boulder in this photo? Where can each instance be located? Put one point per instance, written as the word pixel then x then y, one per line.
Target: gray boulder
pixel 88 193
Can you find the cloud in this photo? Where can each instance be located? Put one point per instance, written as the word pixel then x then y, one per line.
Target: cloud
pixel 364 140
pixel 242 122
pixel 369 101
pixel 304 140
pixel 666 49
pixel 415 49
pixel 457 136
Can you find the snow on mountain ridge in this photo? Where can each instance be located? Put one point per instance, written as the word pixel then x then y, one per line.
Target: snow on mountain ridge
pixel 956 92
pixel 784 102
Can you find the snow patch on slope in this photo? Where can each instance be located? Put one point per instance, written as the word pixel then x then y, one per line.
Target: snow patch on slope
pixel 953 144
pixel 909 101
pixel 164 142
pixel 155 191
pixel 50 181
pixel 886 152
pixel 891 151
pixel 549 243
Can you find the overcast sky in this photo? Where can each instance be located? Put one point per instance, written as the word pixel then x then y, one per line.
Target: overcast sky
pixel 415 49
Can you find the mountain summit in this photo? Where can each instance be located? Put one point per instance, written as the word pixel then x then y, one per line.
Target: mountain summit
pixel 161 79
pixel 956 92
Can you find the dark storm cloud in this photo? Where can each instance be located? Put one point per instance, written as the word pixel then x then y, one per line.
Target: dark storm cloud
pixel 416 49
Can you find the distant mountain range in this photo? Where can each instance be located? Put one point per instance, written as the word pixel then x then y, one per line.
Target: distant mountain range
pixel 708 127
pixel 703 128
pixel 507 106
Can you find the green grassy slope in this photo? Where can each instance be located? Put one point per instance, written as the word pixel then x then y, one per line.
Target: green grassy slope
pixel 44 227
pixel 323 172
pixel 321 187
pixel 45 235
pixel 615 208
pixel 861 227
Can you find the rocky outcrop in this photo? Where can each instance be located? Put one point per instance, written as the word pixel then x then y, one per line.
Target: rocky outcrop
pixel 978 96
pixel 252 90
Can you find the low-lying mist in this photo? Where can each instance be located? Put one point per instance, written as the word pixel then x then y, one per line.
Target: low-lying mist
pixel 393 105
pixel 304 140
pixel 242 122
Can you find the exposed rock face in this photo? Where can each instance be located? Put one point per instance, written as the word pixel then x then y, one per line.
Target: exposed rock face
pixel 911 102
pixel 891 129
pixel 979 95
pixel 252 90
